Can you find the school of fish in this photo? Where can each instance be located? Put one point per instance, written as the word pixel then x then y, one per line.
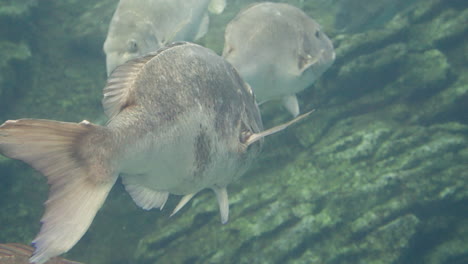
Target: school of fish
pixel 181 118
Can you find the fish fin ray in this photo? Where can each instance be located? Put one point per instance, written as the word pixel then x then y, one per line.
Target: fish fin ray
pixel 120 89
pixel 257 136
pixel 223 203
pixel 185 199
pixel 119 92
pixel 146 198
pixel 11 249
pixel 78 179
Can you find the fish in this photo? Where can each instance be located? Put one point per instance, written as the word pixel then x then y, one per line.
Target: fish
pixel 14 253
pixel 181 120
pixel 142 26
pixel 278 50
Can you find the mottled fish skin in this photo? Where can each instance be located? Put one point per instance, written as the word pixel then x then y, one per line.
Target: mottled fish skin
pixel 278 50
pixel 180 120
pixel 14 253
pixel 190 139
pixel 142 26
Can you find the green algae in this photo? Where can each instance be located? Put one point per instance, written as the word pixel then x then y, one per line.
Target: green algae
pixel 377 172
pixel 16 8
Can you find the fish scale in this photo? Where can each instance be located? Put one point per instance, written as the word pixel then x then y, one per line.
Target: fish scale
pixel 278 50
pixel 180 120
pixel 139 27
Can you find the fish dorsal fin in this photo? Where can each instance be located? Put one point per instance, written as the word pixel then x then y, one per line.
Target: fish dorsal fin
pixel 257 136
pixel 119 92
pixel 120 88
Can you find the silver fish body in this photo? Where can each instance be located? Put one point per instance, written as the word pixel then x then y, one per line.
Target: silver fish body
pixel 180 120
pixel 139 27
pixel 182 129
pixel 278 50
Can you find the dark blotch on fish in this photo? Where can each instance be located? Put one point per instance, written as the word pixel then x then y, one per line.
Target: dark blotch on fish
pixel 202 152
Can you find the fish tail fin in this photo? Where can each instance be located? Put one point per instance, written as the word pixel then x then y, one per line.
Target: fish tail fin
pixel 74 159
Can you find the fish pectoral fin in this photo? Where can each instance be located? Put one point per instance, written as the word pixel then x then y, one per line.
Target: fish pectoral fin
pixel 291 104
pixel 185 199
pixel 70 155
pixel 217 6
pixel 257 136
pixel 223 203
pixel 146 198
pixel 203 28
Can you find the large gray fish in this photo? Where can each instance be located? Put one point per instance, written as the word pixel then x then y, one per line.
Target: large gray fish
pixel 13 253
pixel 278 50
pixel 180 120
pixel 139 27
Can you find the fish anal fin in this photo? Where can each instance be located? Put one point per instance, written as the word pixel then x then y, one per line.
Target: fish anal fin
pixel 78 177
pixel 146 198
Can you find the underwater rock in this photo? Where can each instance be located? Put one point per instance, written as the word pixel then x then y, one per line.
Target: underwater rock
pixel 361 15
pixel 16 8
pixel 377 175
pixel 90 27
pixel 10 53
pixel 384 155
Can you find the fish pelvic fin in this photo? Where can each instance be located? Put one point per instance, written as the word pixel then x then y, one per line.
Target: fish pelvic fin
pixel 257 136
pixel 183 201
pixel 291 104
pixel 217 6
pixel 223 203
pixel 73 158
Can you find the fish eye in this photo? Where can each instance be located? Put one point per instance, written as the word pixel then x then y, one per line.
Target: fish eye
pixel 317 34
pixel 132 46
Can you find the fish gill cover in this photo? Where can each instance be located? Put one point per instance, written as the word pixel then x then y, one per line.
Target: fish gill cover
pixel 377 175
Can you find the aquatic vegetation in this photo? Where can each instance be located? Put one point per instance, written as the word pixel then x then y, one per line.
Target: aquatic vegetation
pixel 16 7
pixel 378 174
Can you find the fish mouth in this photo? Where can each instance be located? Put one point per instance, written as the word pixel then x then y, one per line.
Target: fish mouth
pixel 322 58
